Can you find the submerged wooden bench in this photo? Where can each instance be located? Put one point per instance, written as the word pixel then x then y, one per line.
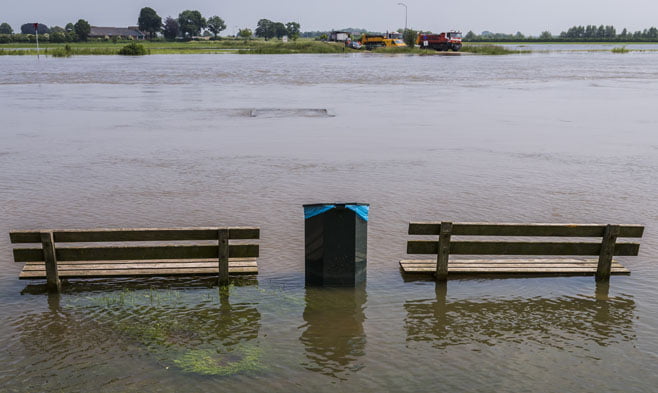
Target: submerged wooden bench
pixel 145 258
pixel 443 247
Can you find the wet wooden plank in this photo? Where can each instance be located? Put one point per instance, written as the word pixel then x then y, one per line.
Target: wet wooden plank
pixel 232 261
pixel 70 273
pixel 528 271
pixel 512 265
pixel 137 252
pixel 134 234
pixel 515 229
pixel 519 248
pixel 508 266
pixel 124 266
pixel 496 261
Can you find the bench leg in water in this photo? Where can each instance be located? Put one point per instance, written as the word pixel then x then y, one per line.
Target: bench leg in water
pixel 444 251
pixel 607 252
pixel 53 284
pixel 222 238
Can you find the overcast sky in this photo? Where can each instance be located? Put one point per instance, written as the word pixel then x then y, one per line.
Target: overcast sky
pixel 503 16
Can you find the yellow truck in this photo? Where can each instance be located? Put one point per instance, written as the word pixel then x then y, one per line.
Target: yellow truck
pixel 380 41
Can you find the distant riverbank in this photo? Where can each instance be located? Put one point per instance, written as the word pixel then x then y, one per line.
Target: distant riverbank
pixel 300 46
pixel 231 46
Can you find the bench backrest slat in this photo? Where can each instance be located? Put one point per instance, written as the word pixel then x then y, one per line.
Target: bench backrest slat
pixel 122 244
pixel 66 254
pixel 511 229
pixel 519 248
pixel 134 235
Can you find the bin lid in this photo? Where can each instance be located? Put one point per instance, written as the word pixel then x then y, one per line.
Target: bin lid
pixel 312 210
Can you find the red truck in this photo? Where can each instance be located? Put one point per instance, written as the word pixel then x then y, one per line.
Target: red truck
pixel 441 42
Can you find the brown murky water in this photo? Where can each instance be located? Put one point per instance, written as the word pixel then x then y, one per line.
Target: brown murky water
pixel 237 140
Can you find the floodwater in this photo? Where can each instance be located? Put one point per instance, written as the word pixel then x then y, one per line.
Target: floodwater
pixel 209 140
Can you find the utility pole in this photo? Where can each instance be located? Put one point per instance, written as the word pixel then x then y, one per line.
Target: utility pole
pixel 36 31
pixel 405 16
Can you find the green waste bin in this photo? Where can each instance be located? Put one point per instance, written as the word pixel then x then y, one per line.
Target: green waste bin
pixel 336 237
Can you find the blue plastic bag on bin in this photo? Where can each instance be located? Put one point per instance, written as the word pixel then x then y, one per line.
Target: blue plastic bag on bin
pixel 314 210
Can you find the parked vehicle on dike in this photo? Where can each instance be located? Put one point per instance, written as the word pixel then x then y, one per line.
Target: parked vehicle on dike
pixel 451 40
pixel 380 41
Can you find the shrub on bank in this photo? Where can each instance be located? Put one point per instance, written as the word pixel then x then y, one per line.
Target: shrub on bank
pixel 133 49
pixel 66 51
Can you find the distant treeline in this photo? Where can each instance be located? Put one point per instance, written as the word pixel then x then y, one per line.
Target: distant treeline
pixel 353 30
pixel 590 33
pixel 71 33
pixel 190 24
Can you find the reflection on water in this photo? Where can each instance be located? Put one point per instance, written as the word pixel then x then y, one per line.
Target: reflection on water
pixel 197 336
pixel 555 322
pixel 333 333
pixel 118 284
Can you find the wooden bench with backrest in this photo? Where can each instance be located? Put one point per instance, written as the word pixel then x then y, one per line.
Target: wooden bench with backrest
pixel 444 246
pixel 135 252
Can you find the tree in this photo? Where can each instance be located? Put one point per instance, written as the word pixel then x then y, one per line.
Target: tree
pixel 170 28
pixel 191 22
pixel 546 35
pixel 57 29
pixel 470 36
pixel 69 27
pixel 652 33
pixel 58 36
pixel 28 28
pixel 409 37
pixel 216 25
pixel 279 29
pixel 5 28
pixel 82 29
pixel 264 28
pixel 292 29
pixel 149 21
pixel 245 33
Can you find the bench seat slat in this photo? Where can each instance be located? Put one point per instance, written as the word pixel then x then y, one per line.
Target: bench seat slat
pixel 134 234
pixel 124 266
pixel 512 266
pixel 136 252
pixel 511 229
pixel 519 248
pixel 240 266
pixel 496 261
pixel 558 271
pixel 138 272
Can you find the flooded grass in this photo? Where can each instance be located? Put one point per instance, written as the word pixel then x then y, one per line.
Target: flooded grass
pixel 298 47
pixel 621 49
pixel 243 358
pixel 407 50
pixel 60 51
pixel 492 50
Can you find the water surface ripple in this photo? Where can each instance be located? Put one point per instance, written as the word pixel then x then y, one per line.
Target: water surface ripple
pixel 167 141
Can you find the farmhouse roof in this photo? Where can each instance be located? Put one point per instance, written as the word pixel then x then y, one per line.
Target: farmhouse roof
pixel 97 31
